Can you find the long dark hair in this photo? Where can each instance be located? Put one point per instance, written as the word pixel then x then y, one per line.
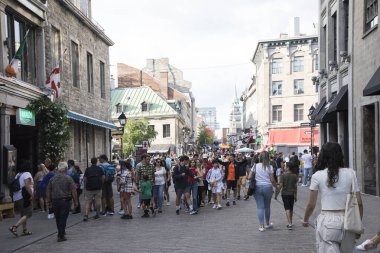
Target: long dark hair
pixel 331 157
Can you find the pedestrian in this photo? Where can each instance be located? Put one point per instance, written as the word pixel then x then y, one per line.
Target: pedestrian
pixel 124 180
pixel 215 181
pixel 369 244
pixel 76 175
pixel 159 184
pixel 61 191
pixel 333 182
pixel 263 173
pixel 42 171
pixel 193 184
pixel 307 167
pixel 144 168
pixel 288 186
pixel 93 180
pixel 180 178
pixel 23 198
pixel 45 182
pixel 168 181
pixel 107 191
pixel 146 196
pixel 200 176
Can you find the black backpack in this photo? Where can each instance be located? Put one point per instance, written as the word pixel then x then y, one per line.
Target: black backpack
pixel 15 186
pixel 94 179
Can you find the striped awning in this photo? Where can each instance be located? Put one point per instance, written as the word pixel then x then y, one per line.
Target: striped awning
pixel 90 120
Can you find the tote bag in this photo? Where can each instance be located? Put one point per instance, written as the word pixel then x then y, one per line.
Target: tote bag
pixel 352 220
pixel 252 185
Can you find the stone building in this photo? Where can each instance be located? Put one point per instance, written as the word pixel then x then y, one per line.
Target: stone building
pixel 61 33
pixel 283 92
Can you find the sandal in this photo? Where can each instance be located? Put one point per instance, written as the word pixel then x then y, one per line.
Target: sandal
pixel 26 232
pixel 13 230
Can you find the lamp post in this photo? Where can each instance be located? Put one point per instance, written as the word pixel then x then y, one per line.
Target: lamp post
pixel 311 110
pixel 122 120
pixel 186 133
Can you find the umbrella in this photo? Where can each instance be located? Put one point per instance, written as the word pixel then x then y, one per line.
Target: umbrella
pixel 245 150
pixel 224 146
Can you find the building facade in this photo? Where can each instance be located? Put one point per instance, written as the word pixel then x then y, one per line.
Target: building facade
pixel 279 99
pixel 209 117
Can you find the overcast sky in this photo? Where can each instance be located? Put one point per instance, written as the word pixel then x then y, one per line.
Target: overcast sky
pixel 211 41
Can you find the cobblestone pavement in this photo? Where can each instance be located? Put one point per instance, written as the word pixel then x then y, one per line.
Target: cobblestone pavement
pixel 232 229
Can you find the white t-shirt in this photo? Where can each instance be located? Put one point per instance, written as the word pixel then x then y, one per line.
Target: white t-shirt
pixel 159 176
pixel 22 178
pixel 307 161
pixel 334 198
pixel 262 175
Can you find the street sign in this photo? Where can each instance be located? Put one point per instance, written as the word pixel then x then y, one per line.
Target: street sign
pixel 305 124
pixel 307 132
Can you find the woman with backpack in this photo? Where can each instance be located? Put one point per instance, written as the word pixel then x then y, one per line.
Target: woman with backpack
pixel 22 188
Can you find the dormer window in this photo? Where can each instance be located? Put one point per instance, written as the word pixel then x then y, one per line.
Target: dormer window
pixel 144 107
pixel 118 108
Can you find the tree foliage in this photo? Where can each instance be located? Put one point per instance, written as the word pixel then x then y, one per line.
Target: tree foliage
pixel 135 132
pixel 205 135
pixel 52 128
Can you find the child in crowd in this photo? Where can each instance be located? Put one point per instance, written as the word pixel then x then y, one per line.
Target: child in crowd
pixel 146 195
pixel 215 180
pixel 288 185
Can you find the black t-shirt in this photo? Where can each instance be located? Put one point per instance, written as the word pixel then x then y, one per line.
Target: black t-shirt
pixel 180 181
pixel 93 177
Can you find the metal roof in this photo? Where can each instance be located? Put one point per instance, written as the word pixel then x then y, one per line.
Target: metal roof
pixel 131 99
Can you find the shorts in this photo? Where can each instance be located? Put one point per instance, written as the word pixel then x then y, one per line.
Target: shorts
pixel 231 185
pixel 180 191
pixel 90 195
pixel 125 195
pixel 288 202
pixel 24 211
pixel 242 181
pixel 107 192
pixel 145 202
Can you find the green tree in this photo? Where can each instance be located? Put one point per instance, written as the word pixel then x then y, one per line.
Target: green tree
pixel 205 135
pixel 137 131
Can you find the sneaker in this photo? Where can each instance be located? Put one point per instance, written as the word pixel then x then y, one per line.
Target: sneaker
pixel 246 197
pixel 362 247
pixel 192 212
pixel 145 215
pixel 228 203
pixel 85 218
pixel 304 185
pixel 110 213
pixel 50 216
pixel 129 217
pixel 214 206
pixel 103 213
pixel 139 206
pixel 177 211
pixel 159 210
pixel 219 207
pixel 211 202
pixel 121 212
pixel 234 203
pixel 202 204
pixel 187 210
pixel 61 239
pixel 168 203
pixel 289 227
pixel 261 229
pixel 96 217
pixel 269 226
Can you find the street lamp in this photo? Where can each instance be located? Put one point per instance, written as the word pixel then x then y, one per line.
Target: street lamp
pixel 122 120
pixel 311 110
pixel 186 133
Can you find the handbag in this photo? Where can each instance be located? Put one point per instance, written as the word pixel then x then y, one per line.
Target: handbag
pixel 352 220
pixel 252 184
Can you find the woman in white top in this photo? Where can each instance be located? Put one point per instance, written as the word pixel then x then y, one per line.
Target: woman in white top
pixel 159 184
pixel 333 182
pixel 263 172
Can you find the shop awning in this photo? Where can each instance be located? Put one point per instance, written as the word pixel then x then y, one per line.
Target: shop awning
pixel 293 136
pixel 340 102
pixel 159 148
pixel 89 120
pixel 324 115
pixel 373 86
pixel 319 108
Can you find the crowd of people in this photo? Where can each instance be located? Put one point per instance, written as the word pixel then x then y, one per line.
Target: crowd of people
pixel 216 178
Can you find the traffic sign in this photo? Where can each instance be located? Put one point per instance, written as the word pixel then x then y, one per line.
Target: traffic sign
pixel 307 132
pixel 305 124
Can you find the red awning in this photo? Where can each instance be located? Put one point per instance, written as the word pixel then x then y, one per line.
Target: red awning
pixel 293 136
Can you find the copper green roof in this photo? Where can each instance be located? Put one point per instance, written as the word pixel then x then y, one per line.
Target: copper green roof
pixel 132 98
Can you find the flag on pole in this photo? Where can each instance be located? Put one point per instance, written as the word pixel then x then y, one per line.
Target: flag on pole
pixel 12 68
pixel 54 81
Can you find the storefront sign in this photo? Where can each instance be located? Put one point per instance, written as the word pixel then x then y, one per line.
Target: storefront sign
pixel 25 117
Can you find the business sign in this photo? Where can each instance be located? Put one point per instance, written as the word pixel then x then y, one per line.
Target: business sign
pixel 25 117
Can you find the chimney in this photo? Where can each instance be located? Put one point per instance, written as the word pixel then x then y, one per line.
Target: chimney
pixel 295 27
pixel 164 83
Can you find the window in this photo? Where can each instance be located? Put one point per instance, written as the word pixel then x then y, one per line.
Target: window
pixel 276 88
pixel 335 37
pixel 144 107
pixel 118 108
pixel 346 23
pixel 276 113
pixel 276 66
pixel 298 87
pixel 16 32
pixel 102 80
pixel 166 130
pixel 90 73
pixel 75 63
pixel 315 62
pixel 298 64
pixel 371 17
pixel 298 112
pixel 55 42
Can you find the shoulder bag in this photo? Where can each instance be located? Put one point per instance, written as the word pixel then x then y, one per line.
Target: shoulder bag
pixel 352 220
pixel 252 184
